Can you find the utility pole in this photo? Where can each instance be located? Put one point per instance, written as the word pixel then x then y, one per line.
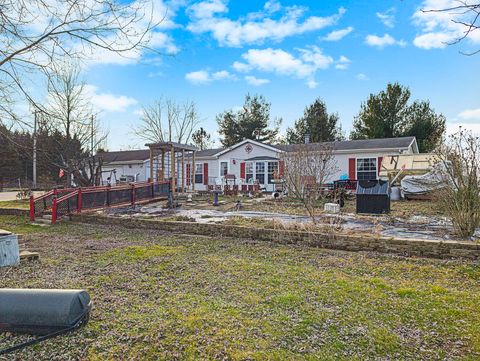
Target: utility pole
pixel 34 171
pixel 91 137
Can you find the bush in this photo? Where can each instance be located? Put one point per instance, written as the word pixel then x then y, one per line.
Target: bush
pixel 460 196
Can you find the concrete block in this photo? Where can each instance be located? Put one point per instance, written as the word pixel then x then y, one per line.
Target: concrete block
pixel 331 207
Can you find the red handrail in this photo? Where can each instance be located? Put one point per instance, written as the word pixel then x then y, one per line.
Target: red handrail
pixel 79 192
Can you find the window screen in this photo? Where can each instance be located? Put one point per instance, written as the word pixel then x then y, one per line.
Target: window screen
pixel 366 168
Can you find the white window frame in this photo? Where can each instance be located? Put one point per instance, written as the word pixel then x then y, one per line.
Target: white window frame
pixel 366 171
pixel 197 167
pixel 264 172
pixel 220 167
pixel 251 164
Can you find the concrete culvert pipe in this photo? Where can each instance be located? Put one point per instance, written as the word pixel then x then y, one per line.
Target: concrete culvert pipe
pixel 41 311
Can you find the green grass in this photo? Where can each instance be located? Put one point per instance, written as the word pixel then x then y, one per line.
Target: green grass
pixel 22 204
pixel 163 297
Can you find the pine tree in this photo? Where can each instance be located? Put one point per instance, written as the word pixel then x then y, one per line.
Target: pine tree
pixel 251 122
pixel 388 115
pixel 317 123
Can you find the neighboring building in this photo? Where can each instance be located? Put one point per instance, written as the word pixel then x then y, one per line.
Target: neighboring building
pixel 250 161
pixel 124 163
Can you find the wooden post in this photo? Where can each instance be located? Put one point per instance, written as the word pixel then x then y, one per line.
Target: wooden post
pixel 162 175
pixel 183 170
pixel 192 173
pixel 172 160
pixel 151 165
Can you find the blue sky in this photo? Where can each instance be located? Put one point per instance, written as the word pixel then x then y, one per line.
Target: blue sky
pixel 291 52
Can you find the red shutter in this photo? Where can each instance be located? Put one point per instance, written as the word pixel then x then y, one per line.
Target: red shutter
pixel 188 175
pixel 205 173
pixel 242 170
pixel 281 168
pixel 351 169
pixel 379 164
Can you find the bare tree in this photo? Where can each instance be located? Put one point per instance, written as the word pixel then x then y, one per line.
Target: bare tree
pixel 36 35
pixel 166 120
pixel 307 167
pixel 460 195
pixel 465 14
pixel 70 113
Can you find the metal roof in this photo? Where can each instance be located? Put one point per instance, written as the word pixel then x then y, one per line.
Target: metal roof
pixel 168 146
pixel 360 144
pixel 124 156
pixel 344 145
pixel 260 158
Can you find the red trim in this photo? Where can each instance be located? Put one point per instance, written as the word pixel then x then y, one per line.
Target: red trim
pixel 242 170
pixel 32 209
pixel 54 211
pixel 352 171
pixel 205 173
pixel 379 164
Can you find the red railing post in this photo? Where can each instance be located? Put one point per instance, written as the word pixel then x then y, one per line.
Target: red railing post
pixel 133 194
pixel 54 210
pixel 32 209
pixel 79 200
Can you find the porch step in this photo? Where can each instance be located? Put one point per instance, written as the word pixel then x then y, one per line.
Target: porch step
pixel 42 222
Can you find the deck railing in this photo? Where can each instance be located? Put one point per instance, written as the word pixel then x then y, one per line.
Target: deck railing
pixel 63 202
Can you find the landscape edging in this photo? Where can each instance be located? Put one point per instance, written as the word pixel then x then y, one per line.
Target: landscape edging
pixel 337 241
pixel 14 212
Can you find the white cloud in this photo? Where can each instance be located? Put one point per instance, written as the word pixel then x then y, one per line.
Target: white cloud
pixel 470 114
pixel 312 84
pixel 387 18
pixel 256 81
pixel 198 77
pixel 382 41
pixel 454 127
pixel 438 29
pixel 155 12
pixel 342 63
pixel 362 77
pixel 138 112
pixel 337 35
pixel 207 9
pixel 281 62
pixel 254 28
pixel 202 77
pixel 108 102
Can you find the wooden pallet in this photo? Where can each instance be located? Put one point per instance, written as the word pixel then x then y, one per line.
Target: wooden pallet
pixel 29 256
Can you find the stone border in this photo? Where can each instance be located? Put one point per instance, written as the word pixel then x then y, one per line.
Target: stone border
pixel 14 212
pixel 337 241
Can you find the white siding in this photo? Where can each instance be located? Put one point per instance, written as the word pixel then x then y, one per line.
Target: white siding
pixel 239 154
pixel 124 169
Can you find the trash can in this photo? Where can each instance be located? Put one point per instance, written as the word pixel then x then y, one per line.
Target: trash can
pixel 373 196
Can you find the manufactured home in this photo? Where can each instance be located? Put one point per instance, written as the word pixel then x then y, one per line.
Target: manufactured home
pixel 250 161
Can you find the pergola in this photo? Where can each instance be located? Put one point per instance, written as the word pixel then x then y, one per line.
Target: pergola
pixel 169 152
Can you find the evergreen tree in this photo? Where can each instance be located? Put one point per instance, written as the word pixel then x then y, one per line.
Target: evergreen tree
pixel 251 122
pixel 201 139
pixel 388 115
pixel 317 123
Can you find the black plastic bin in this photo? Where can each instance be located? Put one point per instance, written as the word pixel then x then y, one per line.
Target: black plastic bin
pixel 373 196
